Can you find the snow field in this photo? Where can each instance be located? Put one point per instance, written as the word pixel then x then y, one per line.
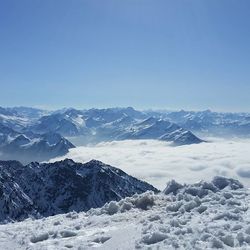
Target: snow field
pixel 212 215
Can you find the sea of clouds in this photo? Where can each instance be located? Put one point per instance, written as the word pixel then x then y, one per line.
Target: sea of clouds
pixel 157 162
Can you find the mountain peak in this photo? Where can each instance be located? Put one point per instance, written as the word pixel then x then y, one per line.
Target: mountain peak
pixel 60 187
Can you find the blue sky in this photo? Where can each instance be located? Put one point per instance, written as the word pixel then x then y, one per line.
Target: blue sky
pixel 178 54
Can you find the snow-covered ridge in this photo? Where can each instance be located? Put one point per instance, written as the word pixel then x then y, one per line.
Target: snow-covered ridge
pixel 27 146
pixel 213 215
pixel 60 187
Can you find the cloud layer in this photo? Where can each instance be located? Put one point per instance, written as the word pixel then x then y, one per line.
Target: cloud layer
pixel 157 162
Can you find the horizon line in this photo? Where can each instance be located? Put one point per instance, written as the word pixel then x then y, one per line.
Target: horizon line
pixel 152 109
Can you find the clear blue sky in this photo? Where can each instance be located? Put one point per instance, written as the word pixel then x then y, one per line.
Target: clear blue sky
pixel 190 54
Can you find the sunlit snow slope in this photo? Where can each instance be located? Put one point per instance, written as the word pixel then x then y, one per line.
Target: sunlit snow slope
pixel 199 216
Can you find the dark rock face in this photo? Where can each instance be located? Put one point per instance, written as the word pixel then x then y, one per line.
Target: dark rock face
pixel 53 188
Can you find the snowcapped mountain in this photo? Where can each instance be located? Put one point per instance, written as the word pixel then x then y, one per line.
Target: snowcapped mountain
pixel 212 123
pixel 205 215
pixel 72 122
pixel 53 188
pixel 12 119
pixel 31 113
pixel 27 147
pixel 68 123
pixel 97 125
pixel 112 114
pixel 18 118
pixel 153 128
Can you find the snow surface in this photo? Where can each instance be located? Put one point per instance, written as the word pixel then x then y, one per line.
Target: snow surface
pixel 157 162
pixel 18 120
pixel 213 215
pixel 79 121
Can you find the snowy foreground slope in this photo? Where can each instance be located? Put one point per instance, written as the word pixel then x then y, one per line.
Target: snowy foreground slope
pixel 199 216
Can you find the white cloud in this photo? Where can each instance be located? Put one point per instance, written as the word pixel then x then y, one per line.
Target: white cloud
pixel 156 162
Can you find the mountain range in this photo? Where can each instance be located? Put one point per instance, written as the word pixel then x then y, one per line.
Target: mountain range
pixel 28 134
pixel 70 122
pixel 208 123
pixel 25 133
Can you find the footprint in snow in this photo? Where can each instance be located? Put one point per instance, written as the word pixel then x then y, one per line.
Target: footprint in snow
pixel 40 237
pixel 101 239
pixel 67 234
